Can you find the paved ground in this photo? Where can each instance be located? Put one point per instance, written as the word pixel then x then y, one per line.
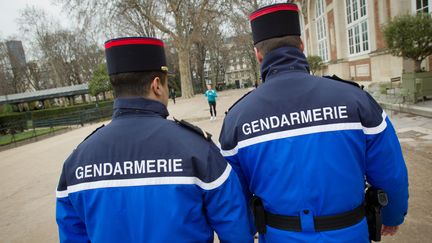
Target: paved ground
pixel 29 174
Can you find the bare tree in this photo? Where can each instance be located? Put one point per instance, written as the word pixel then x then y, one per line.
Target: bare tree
pixel 130 20
pixel 69 56
pixel 35 76
pixel 219 52
pixel 180 20
pixel 203 50
pixel 198 59
pixel 36 25
pixel 243 43
pixel 242 39
pixel 172 61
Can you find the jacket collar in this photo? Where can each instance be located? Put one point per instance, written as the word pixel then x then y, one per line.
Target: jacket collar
pixel 124 106
pixel 283 59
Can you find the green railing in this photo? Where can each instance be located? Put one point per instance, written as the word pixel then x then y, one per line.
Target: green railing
pixel 17 130
pixel 417 86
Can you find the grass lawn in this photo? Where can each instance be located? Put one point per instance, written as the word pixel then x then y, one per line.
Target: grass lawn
pixel 7 139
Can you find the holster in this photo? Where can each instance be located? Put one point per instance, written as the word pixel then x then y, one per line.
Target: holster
pixel 375 199
pixel 258 211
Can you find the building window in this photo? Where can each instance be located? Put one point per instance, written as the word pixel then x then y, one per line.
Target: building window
pixel 302 31
pixel 355 10
pixel 365 35
pixel 422 6
pixel 321 30
pixel 349 13
pixel 362 8
pixel 357 26
pixel 351 41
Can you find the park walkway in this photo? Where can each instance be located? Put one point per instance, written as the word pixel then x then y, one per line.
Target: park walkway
pixel 29 173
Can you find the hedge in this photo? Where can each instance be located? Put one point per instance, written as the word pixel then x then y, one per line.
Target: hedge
pixel 17 122
pixel 13 123
pixel 65 111
pixel 6 108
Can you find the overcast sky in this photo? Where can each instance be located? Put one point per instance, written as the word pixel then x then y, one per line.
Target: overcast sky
pixel 9 12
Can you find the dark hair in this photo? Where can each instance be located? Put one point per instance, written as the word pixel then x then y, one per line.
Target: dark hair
pixel 268 45
pixel 134 83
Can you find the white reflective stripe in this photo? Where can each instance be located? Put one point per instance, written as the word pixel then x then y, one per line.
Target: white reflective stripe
pixel 147 182
pixel 227 153
pixel 61 194
pixel 377 129
pixel 292 133
pixel 299 132
pixel 305 131
pixel 216 183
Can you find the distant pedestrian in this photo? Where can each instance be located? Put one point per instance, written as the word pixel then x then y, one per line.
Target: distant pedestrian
pixel 211 98
pixel 172 94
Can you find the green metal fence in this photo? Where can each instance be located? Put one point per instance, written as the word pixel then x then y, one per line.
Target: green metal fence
pixel 19 130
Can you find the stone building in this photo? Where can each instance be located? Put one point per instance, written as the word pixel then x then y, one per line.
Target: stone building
pixel 239 71
pixel 347 35
pixel 237 68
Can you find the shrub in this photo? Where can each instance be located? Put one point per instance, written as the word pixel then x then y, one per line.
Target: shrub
pixel 231 86
pixel 65 111
pixel 315 63
pixel 6 108
pixel 410 36
pixel 13 123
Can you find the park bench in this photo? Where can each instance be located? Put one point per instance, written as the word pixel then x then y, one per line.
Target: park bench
pixel 58 121
pixel 390 88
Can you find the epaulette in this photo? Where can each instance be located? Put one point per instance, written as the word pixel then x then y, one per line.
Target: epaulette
pixel 334 77
pixel 235 103
pixel 93 132
pixel 194 128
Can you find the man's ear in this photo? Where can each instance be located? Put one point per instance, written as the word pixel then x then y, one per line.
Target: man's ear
pixel 301 46
pixel 258 55
pixel 156 86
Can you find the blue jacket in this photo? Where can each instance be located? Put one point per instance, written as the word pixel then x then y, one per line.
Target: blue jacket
pixel 143 178
pixel 301 142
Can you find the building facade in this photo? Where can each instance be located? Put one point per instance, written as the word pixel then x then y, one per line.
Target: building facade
pixel 13 67
pixel 347 35
pixel 237 67
pixel 239 71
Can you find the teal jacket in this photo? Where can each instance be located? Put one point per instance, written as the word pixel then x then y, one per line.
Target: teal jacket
pixel 211 95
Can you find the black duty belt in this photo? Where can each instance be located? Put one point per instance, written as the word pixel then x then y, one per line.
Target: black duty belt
pixel 322 223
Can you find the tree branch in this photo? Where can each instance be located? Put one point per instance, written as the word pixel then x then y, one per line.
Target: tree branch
pixel 155 22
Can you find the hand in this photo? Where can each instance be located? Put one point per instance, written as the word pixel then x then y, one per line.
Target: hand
pixel 389 230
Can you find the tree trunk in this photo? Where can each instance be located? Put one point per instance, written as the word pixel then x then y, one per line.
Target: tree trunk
pixel 214 76
pixel 56 77
pixel 215 79
pixel 417 66
pixel 201 52
pixel 185 75
pixel 72 100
